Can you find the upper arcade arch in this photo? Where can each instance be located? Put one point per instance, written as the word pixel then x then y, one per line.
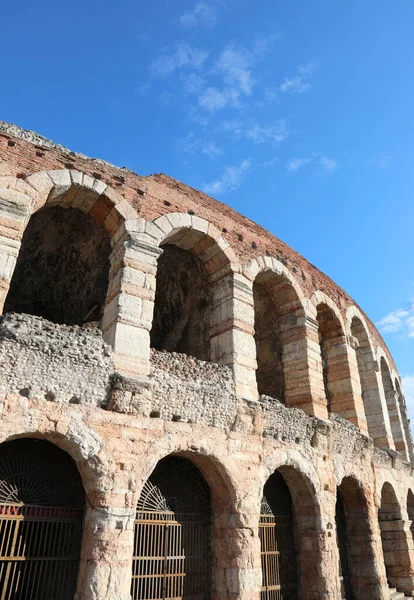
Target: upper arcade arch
pixel 293 337
pixel 72 189
pixel 393 405
pixel 368 373
pixel 340 376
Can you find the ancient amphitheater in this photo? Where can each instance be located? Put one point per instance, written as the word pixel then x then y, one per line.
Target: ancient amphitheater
pixel 189 409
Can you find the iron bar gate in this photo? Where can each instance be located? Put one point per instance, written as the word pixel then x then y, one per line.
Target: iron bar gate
pixel 39 552
pixel 172 535
pixel 278 557
pixel 41 521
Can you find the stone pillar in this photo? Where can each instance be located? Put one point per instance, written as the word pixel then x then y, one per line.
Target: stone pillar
pixel 128 313
pixel 303 365
pixel 397 428
pixel 232 331
pixel 14 214
pixel 343 382
pixel 318 563
pixel 376 411
pixel 398 551
pixel 106 559
pixel 237 564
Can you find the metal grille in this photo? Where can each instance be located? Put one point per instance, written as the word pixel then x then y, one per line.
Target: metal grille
pixel 278 556
pixel 172 535
pixel 40 537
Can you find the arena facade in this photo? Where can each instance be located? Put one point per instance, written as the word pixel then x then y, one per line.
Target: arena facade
pixel 189 409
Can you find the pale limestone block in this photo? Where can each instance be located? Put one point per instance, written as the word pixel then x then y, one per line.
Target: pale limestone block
pixel 199 224
pixel 178 220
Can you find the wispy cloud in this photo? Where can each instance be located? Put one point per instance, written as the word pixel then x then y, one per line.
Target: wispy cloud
pixel 275 132
pixel 323 164
pixel 182 56
pixel 204 14
pixel 300 82
pixel 191 144
pixel 399 321
pixel 408 391
pixel 294 164
pixel 382 161
pixel 234 69
pixel 231 178
pixel 329 164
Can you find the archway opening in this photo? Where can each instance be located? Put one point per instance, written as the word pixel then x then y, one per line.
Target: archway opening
pixel 357 561
pixel 41 521
pixel 394 412
pixel 333 361
pixel 275 300
pixel 181 321
pixel 394 543
pixel 172 542
pixel 410 510
pixel 277 541
pixel 62 269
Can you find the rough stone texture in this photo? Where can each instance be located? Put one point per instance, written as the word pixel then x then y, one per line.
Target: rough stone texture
pixel 161 403
pixel 61 363
pixel 79 270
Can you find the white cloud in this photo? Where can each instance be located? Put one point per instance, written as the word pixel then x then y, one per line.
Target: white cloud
pixel 203 14
pixel 294 164
pixel 299 83
pixel 329 164
pixel 399 321
pixel 183 56
pixel 234 69
pixel 193 145
pixel 326 164
pixel 231 179
pixel 408 391
pixel 259 134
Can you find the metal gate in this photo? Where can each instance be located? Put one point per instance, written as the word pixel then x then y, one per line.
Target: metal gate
pixel 278 556
pixel 40 537
pixel 172 535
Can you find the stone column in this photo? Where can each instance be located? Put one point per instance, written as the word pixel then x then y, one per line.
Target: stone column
pixel 303 365
pixel 398 433
pixel 106 559
pixel 237 564
pixel 343 382
pixel 318 563
pixel 14 214
pixel 128 313
pixel 232 331
pixel 398 551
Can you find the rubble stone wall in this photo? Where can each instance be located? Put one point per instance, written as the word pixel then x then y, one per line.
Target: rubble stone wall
pixel 67 364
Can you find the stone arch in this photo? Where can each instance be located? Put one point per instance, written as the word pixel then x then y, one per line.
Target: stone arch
pixel 339 370
pixel 42 505
pixel 410 510
pixel 221 499
pixel 392 400
pixel 56 190
pixel 402 406
pixel 194 292
pixel 379 427
pixel 396 551
pixel 356 544
pixel 304 488
pixel 285 335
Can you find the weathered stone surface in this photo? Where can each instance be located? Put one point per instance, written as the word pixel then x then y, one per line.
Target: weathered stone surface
pixel 61 363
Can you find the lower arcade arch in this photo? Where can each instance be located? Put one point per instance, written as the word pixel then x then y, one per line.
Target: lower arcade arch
pixel 172 539
pixel 41 521
pixel 357 569
pixel 395 549
pixel 288 526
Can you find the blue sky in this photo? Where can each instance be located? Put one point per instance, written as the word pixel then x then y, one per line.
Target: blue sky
pixel 298 114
